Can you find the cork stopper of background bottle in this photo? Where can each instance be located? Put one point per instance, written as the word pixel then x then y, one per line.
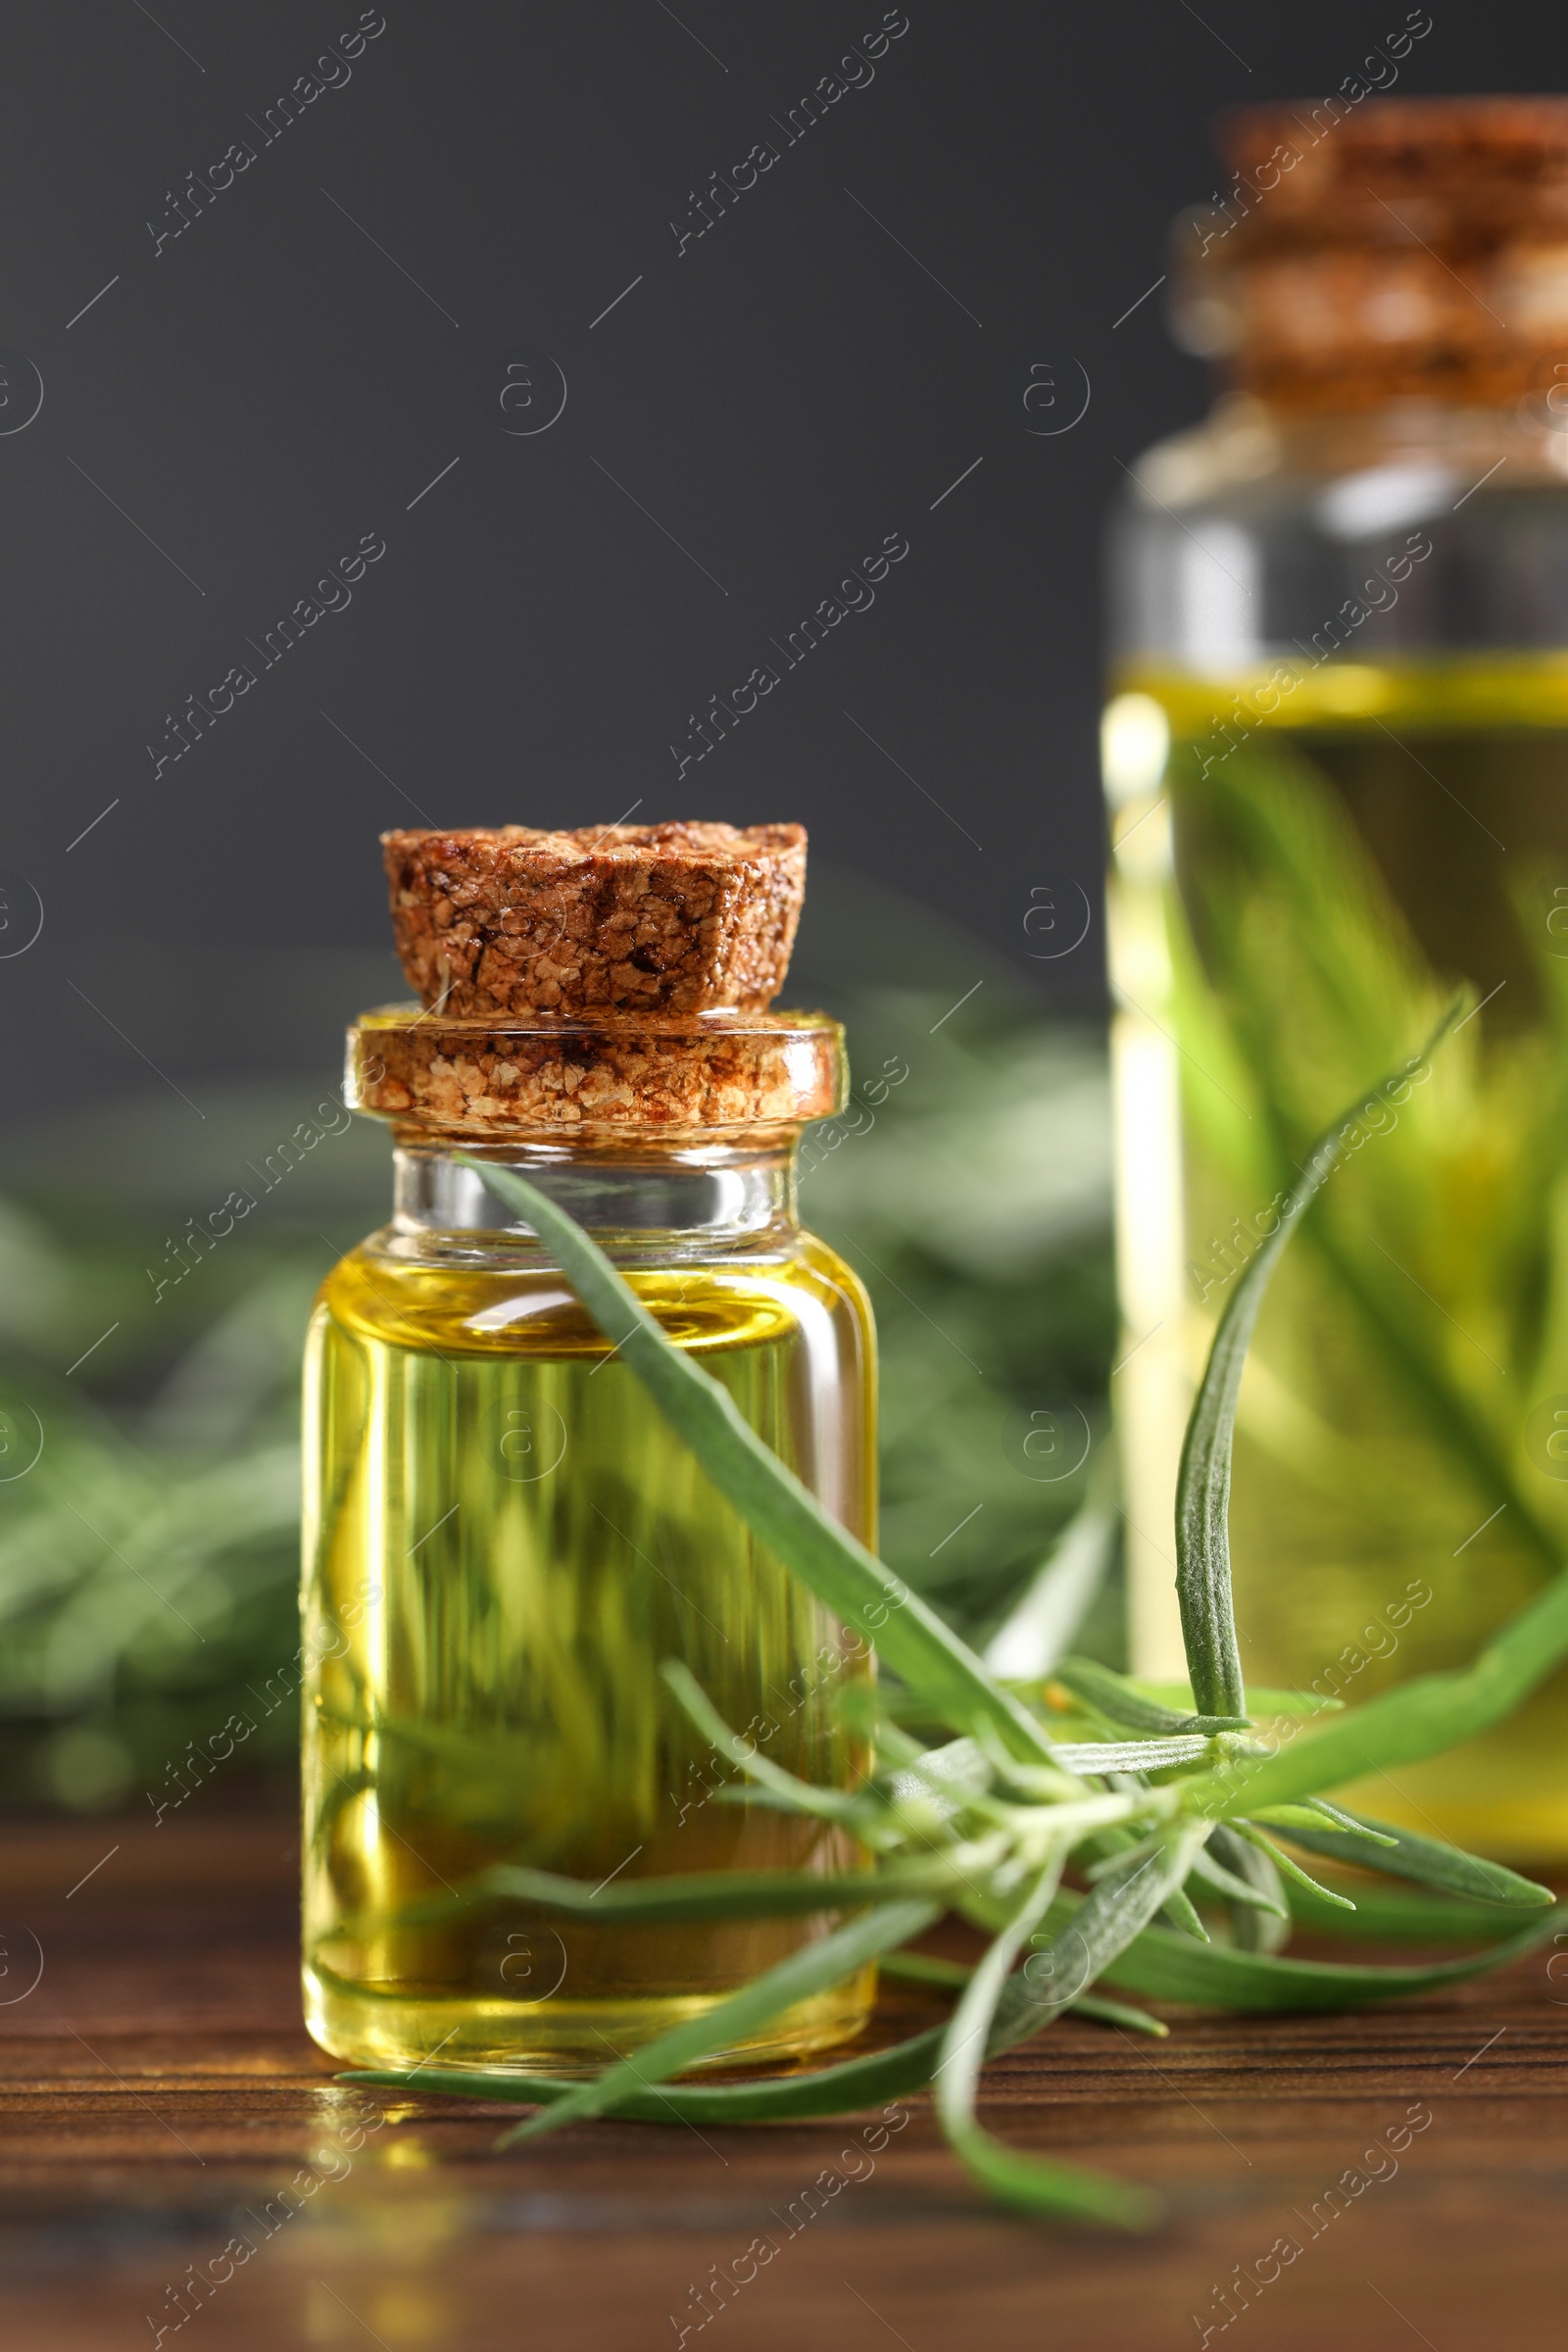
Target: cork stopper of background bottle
pixel 1370 249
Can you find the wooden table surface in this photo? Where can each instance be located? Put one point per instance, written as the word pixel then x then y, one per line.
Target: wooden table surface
pixel 160 2093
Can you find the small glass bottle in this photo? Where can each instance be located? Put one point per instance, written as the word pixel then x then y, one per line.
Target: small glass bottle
pixel 503 1541
pixel 1336 758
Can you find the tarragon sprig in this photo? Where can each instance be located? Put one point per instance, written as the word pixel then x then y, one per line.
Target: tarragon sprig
pixel 1156 1804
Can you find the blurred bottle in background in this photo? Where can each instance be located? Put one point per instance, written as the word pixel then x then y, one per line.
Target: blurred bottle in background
pixel 1336 760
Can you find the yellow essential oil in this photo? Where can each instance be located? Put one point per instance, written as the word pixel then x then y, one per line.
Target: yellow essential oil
pixel 504 1542
pixel 1296 901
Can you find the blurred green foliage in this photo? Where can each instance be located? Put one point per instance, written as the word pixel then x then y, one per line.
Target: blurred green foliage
pixel 148 1555
pixel 975 1209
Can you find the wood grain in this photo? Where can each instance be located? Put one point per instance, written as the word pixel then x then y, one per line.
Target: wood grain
pixel 158 2089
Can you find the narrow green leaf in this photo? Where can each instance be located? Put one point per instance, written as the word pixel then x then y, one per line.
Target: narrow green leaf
pixel 1385 1914
pixel 826 1962
pixel 1130 1755
pixel 1032 2183
pixel 1120 1701
pixel 921 1968
pixel 721 1894
pixel 925 1968
pixel 1092 1933
pixel 1162 1965
pixel 829 1805
pixel 781 1801
pixel 1103 1856
pixel 1210 1875
pixel 963 2044
pixel 1337 1817
pixel 946 1779
pixel 1105 2012
pixel 1317 1813
pixel 1063 2192
pixel 1204 1482
pixel 1424 1859
pixel 1166 1967
pixel 1265 1924
pixel 1289 1869
pixel 964 2048
pixel 1182 1914
pixel 910 1638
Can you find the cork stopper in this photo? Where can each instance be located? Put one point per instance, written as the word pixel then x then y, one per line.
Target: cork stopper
pixel 614 919
pixel 715 1077
pixel 609 985
pixel 1372 249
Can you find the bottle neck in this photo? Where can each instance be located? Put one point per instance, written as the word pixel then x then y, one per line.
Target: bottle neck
pixel 638 1195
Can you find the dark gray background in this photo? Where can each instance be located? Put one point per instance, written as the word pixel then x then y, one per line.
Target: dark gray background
pixel 243 404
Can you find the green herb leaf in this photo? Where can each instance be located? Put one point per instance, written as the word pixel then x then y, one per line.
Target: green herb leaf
pixel 1289 1869
pixel 802 1796
pixel 923 1968
pixel 1182 1914
pixel 1130 1755
pixel 1210 1874
pixel 1105 2012
pixel 814 1968
pixel 1167 1967
pixel 721 1894
pixel 1317 1813
pixel 1028 2182
pixel 1065 2192
pixel 1387 1914
pixel 1119 1700
pixel 1203 1483
pixel 1093 1933
pixel 1265 1924
pixel 1402 1854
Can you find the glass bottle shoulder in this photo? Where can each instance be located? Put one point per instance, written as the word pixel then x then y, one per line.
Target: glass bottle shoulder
pixel 1246 457
pixel 516 1303
pixel 1391 537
